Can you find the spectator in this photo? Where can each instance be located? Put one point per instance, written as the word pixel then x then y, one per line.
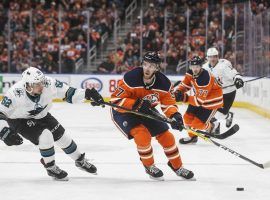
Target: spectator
pixel 107 66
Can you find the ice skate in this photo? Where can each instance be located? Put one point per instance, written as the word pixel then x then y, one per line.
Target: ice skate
pixel 54 171
pixel 83 164
pixel 154 172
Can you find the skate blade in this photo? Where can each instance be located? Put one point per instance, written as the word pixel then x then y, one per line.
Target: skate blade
pixel 157 178
pixel 191 179
pixel 191 143
pixel 62 179
pixel 184 179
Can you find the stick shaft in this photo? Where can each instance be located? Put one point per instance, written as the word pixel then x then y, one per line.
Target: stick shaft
pixel 229 150
pixel 163 119
pixel 246 81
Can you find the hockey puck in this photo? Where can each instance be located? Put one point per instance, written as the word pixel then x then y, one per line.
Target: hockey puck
pixel 240 189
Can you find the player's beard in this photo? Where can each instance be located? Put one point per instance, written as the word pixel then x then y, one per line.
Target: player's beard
pixel 148 78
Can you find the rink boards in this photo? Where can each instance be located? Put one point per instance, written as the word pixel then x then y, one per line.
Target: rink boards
pixel 254 96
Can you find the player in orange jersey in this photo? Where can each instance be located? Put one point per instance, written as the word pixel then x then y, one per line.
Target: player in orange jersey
pixel 204 103
pixel 141 90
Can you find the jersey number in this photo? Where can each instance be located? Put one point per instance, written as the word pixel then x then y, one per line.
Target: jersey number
pixel 203 93
pixel 58 84
pixel 6 102
pixel 121 90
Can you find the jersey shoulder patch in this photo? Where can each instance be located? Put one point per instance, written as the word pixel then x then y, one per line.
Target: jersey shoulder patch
pixel 134 78
pixel 17 90
pixel 48 81
pixel 204 78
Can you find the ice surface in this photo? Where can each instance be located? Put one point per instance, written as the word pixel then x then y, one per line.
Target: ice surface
pixel 120 173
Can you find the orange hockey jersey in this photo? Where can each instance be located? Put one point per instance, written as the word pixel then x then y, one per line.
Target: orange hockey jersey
pixel 207 90
pixel 132 87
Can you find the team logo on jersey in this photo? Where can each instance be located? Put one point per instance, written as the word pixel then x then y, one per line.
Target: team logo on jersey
pixel 47 82
pixel 92 83
pixel 30 123
pixel 38 109
pixel 18 92
pixel 153 98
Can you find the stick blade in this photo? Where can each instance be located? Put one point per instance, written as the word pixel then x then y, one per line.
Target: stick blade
pixel 266 165
pixel 228 133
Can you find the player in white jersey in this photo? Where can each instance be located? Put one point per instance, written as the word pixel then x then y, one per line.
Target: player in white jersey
pixel 24 111
pixel 224 72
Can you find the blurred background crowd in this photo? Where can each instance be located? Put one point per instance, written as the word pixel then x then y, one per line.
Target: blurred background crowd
pixel 60 36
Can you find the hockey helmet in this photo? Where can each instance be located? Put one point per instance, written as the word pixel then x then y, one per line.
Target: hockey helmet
pixel 196 60
pixel 212 52
pixel 33 76
pixel 152 57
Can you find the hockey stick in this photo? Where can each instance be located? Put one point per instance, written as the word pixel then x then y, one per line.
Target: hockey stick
pixel 200 134
pixel 176 83
pixel 158 117
pixel 263 166
pixel 221 136
pixel 246 81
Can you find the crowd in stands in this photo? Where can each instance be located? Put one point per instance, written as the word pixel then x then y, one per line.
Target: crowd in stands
pixel 176 33
pixel 176 44
pixel 258 6
pixel 43 33
pixel 48 33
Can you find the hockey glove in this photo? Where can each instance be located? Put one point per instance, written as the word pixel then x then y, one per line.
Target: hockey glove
pixel 9 137
pixel 94 96
pixel 180 96
pixel 142 105
pixel 238 82
pixel 177 122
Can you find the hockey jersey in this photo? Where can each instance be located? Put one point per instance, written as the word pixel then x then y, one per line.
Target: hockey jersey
pixel 224 72
pixel 18 104
pixel 132 87
pixel 207 90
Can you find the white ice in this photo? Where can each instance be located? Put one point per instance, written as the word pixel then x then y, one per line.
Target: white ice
pixel 120 173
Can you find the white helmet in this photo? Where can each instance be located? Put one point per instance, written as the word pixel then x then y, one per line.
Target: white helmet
pixel 32 76
pixel 212 52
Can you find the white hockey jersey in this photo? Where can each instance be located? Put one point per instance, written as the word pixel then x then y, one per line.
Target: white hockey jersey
pixel 224 72
pixel 17 104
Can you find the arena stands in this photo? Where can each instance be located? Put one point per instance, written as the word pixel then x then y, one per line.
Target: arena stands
pixel 53 35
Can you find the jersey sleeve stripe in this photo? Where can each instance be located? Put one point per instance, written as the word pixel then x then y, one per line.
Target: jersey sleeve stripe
pixel 186 86
pixel 213 104
pixel 209 100
pixel 172 106
pixel 214 99
pixel 196 101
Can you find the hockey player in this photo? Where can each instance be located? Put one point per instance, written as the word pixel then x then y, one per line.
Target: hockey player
pixel 142 89
pixel 203 104
pixel 25 110
pixel 227 75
